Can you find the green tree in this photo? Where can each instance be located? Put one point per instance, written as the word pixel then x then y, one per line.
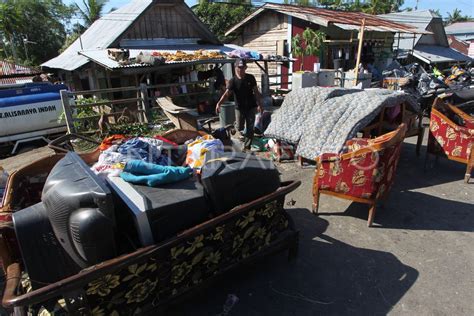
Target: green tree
pixel 311 40
pixel 92 10
pixel 220 17
pixel 305 3
pixel 34 29
pixel 381 6
pixel 456 16
pixel 436 12
pixel 368 6
pixel 297 48
pixel 76 31
pixel 10 18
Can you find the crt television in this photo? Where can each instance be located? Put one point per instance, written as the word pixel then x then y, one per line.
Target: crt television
pixel 74 221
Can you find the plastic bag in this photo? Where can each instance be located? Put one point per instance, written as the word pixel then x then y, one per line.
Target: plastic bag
pixel 262 120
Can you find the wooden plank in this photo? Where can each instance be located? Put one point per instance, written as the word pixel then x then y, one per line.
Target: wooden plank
pixel 176 30
pixel 67 111
pixel 167 85
pixel 145 104
pixel 167 105
pixel 104 114
pixel 165 23
pixel 121 101
pixel 359 51
pixel 160 20
pixel 267 38
pixel 143 30
pixel 149 20
pixel 121 89
pixel 156 24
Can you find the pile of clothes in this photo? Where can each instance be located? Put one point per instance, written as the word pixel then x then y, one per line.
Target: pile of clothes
pixel 153 160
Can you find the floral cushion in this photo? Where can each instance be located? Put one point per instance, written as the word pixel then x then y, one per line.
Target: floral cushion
pixel 367 176
pixel 448 138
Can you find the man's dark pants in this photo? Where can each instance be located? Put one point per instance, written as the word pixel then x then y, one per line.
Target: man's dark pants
pixel 247 117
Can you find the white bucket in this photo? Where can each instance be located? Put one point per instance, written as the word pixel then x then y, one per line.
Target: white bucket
pixel 317 67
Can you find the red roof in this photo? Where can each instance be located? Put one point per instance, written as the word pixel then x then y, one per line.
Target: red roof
pixel 343 17
pixel 460 46
pixel 10 73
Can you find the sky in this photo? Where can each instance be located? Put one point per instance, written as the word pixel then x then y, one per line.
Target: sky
pixel 444 6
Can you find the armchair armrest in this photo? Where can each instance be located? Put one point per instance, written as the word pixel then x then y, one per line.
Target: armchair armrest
pixel 328 157
pixel 355 144
pixel 469 122
pixel 467 133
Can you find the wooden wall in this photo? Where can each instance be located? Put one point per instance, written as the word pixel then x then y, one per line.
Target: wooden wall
pixel 264 34
pixel 164 20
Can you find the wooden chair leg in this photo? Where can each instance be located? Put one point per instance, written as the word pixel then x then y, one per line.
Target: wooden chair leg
pixel 470 165
pixel 371 214
pixel 467 177
pixel 421 134
pixel 315 202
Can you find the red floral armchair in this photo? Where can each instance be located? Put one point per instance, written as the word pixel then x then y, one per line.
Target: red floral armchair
pixel 363 174
pixel 452 134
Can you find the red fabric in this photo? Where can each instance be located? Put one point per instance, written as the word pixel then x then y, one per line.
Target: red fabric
pixel 111 140
pixel 448 138
pixel 164 140
pixel 367 176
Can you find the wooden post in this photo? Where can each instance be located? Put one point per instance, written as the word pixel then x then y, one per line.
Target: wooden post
pixel 110 95
pixel 359 51
pixel 146 115
pixel 67 111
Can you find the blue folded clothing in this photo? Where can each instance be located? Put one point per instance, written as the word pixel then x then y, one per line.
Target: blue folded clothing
pixel 140 172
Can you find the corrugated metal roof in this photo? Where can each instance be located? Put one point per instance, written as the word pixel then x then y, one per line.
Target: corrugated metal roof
pixel 325 17
pixel 460 28
pixel 420 20
pixel 433 54
pixel 104 32
pixel 101 56
pixel 460 46
pixel 366 28
pixel 99 35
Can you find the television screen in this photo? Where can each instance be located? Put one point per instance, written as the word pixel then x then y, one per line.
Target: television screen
pixel 81 211
pixel 72 228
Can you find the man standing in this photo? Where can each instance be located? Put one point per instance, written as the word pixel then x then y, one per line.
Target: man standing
pixel 247 98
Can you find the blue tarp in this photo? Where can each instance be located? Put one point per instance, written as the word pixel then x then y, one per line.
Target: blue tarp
pixel 30 89
pixel 29 99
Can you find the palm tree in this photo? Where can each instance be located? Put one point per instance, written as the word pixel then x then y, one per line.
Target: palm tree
pixel 92 10
pixel 456 16
pixel 395 5
pixel 355 5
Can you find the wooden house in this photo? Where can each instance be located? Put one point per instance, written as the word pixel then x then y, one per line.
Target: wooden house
pixel 270 30
pixel 139 26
